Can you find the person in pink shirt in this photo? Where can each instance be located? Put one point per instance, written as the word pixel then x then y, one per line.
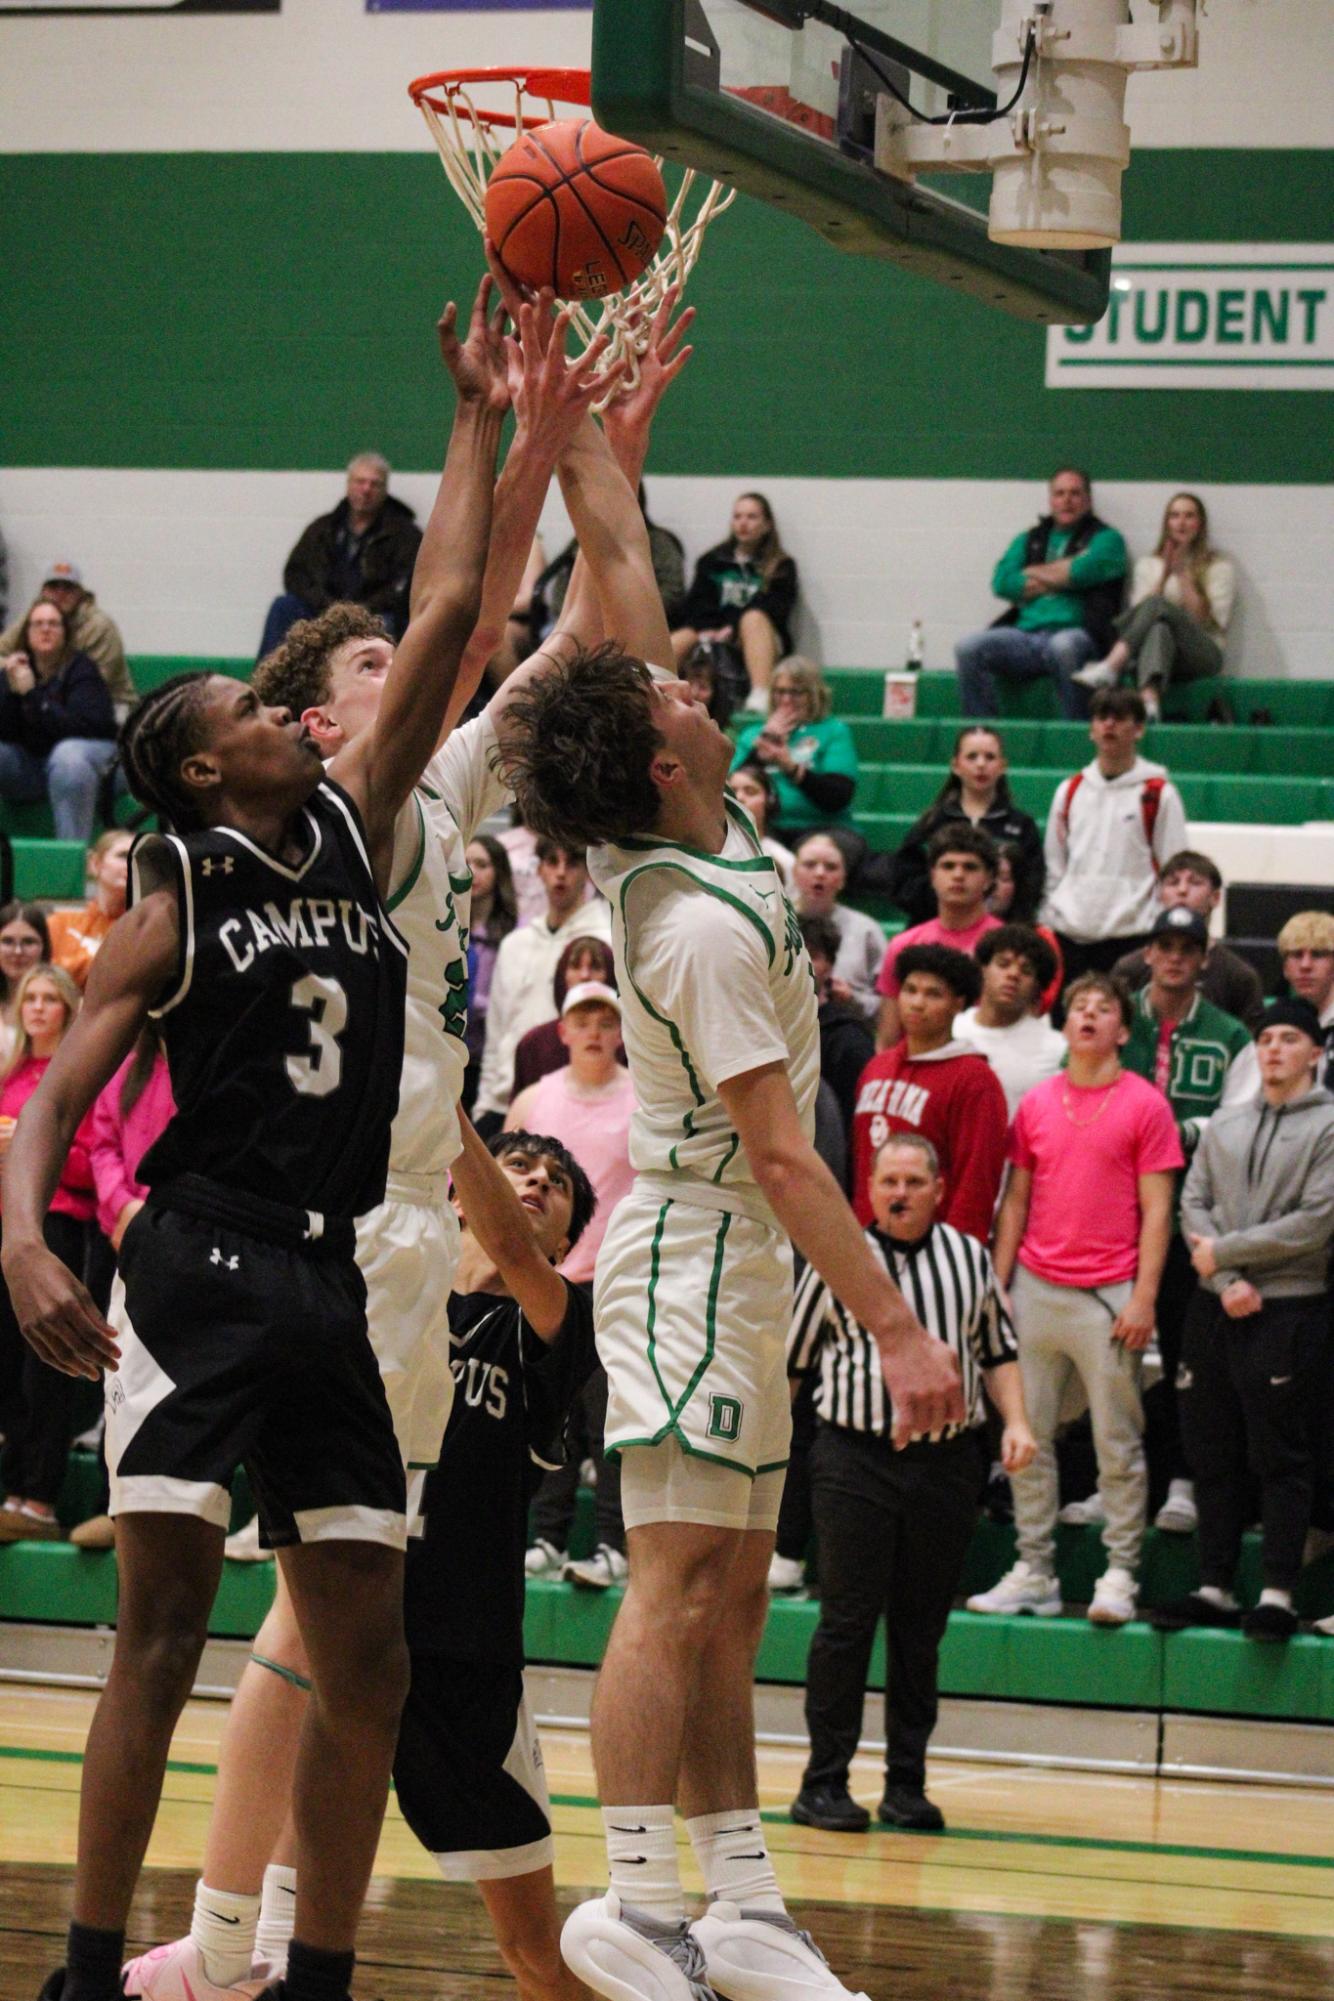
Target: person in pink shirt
pixel 1081 1241
pixel 587 1106
pixel 37 1401
pixel 133 1110
pixel 962 861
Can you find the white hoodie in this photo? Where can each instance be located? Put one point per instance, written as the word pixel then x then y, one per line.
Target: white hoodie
pixel 1102 874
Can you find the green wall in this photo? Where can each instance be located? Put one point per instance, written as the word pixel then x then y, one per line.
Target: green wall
pixel 274 311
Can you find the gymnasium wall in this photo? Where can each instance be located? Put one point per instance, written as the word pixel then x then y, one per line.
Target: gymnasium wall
pixel 227 237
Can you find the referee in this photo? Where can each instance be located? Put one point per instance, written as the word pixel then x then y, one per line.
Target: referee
pixel 892 1528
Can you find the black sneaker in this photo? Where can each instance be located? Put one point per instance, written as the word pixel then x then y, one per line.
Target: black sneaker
pixel 54 1986
pixel 1270 1622
pixel 909 1808
pixel 1193 1610
pixel 830 1807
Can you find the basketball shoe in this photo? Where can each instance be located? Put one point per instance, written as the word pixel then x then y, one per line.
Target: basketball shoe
pixel 627 1955
pixel 175 1972
pixel 757 1955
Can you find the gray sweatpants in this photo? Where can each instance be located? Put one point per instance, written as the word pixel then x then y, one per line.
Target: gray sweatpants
pixel 1065 1348
pixel 1167 644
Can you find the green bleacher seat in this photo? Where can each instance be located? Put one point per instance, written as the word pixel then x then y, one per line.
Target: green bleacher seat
pixel 49 871
pixel 150 670
pixel 859 691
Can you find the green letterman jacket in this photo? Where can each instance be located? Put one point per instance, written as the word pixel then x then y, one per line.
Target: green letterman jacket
pixel 1205 1045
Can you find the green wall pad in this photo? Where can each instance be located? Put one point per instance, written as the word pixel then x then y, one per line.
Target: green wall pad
pixel 1215 1672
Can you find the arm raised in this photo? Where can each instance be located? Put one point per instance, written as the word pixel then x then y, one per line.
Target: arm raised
pixel 500 1223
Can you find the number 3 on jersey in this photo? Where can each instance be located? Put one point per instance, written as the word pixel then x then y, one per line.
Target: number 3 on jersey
pixel 318 1069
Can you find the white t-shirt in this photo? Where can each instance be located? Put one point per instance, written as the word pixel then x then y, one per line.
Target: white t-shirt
pixel 1021 1056
pixel 430 901
pixel 714 981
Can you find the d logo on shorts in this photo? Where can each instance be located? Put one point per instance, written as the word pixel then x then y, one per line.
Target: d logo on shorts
pixel 725 1418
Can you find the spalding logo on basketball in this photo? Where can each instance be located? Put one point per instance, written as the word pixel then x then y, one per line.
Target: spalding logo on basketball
pixel 572 207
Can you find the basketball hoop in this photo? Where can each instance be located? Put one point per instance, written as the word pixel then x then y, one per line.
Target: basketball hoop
pixel 471 137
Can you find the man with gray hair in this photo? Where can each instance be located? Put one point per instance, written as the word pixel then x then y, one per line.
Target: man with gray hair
pixel 362 553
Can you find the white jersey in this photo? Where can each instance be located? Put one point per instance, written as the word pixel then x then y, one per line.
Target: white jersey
pixel 714 981
pixel 431 903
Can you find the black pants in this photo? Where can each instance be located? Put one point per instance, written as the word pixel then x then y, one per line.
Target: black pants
pixel 1249 1398
pixel 37 1401
pixel 553 1504
pixel 1098 955
pixel 1162 1416
pixel 893 1530
pixel 795 1520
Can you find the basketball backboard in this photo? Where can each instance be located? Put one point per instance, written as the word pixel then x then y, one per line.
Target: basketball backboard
pixel 784 106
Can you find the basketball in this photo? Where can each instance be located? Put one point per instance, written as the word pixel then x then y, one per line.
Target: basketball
pixel 572 207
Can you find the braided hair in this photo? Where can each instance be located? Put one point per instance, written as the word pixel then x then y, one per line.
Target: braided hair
pixel 154 739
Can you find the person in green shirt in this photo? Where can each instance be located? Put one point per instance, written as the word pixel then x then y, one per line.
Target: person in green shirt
pixel 1201 1059
pixel 808 753
pixel 1063 580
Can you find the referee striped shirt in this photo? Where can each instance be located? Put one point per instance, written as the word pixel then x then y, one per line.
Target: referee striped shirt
pixel 948 1281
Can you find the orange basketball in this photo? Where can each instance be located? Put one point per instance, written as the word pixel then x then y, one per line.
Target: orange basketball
pixel 572 207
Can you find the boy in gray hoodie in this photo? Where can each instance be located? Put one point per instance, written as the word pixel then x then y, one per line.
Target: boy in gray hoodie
pixel 1258 1213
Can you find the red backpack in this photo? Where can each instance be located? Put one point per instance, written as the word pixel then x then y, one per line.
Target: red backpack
pixel 1150 799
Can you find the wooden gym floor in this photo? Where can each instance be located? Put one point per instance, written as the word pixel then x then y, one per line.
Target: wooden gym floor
pixel 1048 1886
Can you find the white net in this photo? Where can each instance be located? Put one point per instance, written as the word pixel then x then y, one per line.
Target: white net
pixel 471 138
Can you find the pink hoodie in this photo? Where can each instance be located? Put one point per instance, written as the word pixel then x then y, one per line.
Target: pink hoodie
pixel 119 1142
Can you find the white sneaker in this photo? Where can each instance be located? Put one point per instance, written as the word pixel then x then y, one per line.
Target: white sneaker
pixel 760 1955
pixel 786 1573
pixel 175 1972
pixel 1020 1590
pixel 1153 707
pixel 243 1547
pixel 1178 1515
pixel 544 1559
pixel 1325 1626
pixel 1096 675
pixel 1115 1598
pixel 1086 1514
pixel 630 1956
pixel 604 1567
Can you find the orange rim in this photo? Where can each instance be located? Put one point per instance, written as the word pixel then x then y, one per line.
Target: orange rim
pixel 565 86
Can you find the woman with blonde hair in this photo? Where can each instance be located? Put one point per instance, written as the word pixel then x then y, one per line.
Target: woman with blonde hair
pixel 37 1401
pixel 808 753
pixel 1180 603
pixel 77 934
pixel 742 596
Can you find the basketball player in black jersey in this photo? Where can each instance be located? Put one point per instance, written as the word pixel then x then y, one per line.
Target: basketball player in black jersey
pixel 258 934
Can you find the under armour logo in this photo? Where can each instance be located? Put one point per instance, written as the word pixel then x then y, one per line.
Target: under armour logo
pixel 225 864
pixel 229 1264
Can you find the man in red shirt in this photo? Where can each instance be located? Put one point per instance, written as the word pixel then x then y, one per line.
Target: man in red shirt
pixel 962 860
pixel 931 1084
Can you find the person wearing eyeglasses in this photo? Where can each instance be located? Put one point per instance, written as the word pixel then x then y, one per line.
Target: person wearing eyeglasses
pixel 25 942
pixel 808 753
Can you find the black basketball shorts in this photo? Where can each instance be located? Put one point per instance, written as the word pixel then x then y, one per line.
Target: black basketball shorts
pixel 237 1350
pixel 468 1770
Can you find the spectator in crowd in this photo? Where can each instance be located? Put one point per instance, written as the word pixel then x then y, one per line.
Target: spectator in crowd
pixel 1193 881
pixel 713 687
pixel 932 1083
pixel 819 876
pixel 893 1528
pixel 962 862
pixel 1110 829
pixel 808 753
pixel 1063 580
pixel 530 892
pixel 37 1400
pixel 90 630
pixel 1080 1243
pixel 1199 1058
pixel 521 989
pixel 57 724
pixel 1005 904
pixel 1019 1043
pixel 4 579
pixel 977 790
pixel 25 942
pixel 362 553
pixel 846 1042
pixel 753 788
pixel 743 595
pixel 669 570
pixel 493 916
pixel 129 1113
pixel 1306 949
pixel 77 934
pixel 1181 600
pixel 541 1050
pixel 1259 1218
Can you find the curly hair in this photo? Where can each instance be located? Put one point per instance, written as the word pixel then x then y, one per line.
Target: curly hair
pixel 577 748
pixel 156 737
pixel 955 970
pixel 960 837
pixel 295 675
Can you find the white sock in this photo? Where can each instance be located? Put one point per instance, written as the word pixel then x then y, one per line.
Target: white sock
pixel 277 1914
pixel 732 1854
pixel 1181 1490
pixel 1214 1594
pixel 1273 1596
pixel 223 1927
pixel 641 1858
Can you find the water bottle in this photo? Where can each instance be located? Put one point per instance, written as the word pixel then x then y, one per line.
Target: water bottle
pixel 916 648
